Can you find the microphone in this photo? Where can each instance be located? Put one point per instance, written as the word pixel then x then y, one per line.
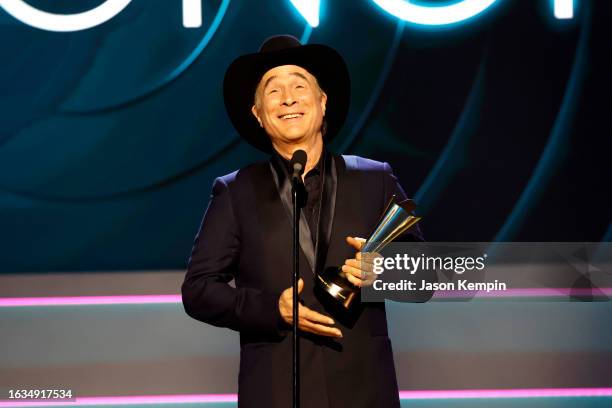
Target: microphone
pixel 298 164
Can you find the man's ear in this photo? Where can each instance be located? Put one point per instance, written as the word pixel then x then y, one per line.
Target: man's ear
pixel 323 102
pixel 254 112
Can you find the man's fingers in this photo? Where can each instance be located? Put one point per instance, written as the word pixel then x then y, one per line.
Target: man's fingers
pixel 355 272
pixel 369 279
pixel 367 257
pixel 309 320
pixel 320 329
pixel 360 265
pixel 359 277
pixel 317 323
pixel 355 281
pixel 309 314
pixel 355 242
pixel 359 270
pixel 289 291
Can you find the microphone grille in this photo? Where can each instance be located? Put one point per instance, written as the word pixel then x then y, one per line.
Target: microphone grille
pixel 298 161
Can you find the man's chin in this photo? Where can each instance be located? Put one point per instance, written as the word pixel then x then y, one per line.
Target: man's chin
pixel 294 137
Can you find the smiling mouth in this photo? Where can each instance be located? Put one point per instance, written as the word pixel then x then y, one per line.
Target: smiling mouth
pixel 291 116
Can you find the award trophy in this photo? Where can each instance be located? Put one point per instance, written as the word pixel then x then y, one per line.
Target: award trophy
pixel 396 220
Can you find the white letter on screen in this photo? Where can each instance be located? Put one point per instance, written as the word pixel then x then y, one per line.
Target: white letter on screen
pixel 192 13
pixel 564 9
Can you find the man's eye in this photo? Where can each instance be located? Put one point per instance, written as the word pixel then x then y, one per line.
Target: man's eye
pixel 272 91
pixel 300 86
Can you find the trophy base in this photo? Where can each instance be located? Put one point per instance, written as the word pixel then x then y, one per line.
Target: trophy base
pixel 332 282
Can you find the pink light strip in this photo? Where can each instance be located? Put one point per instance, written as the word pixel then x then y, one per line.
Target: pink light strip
pixel 508 393
pixel 127 400
pixel 89 300
pixel 526 292
pixel 156 299
pixel 232 398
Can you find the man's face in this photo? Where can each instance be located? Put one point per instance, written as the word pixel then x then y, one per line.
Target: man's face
pixel 289 105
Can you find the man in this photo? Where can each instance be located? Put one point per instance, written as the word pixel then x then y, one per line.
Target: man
pixel 284 98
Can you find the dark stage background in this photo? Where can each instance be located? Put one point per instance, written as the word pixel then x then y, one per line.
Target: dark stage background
pixel 110 138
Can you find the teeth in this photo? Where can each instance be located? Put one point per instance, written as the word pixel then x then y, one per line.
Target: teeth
pixel 291 116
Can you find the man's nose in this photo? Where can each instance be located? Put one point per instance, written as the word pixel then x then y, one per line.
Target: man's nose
pixel 288 99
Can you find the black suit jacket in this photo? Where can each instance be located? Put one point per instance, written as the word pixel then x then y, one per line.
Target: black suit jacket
pixel 246 235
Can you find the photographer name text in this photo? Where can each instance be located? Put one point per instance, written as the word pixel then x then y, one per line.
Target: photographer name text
pixel 460 285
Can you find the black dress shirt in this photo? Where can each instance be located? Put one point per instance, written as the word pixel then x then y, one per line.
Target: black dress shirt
pixel 313 186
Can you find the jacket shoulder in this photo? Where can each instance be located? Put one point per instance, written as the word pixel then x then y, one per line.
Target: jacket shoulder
pixel 363 164
pixel 238 179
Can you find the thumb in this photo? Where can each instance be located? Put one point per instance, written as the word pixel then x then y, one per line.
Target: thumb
pixel 300 285
pixel 355 242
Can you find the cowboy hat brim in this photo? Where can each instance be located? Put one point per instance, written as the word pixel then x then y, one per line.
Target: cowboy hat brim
pixel 243 76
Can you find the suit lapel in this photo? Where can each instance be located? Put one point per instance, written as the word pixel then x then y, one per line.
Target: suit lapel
pixel 327 210
pixel 348 216
pixel 283 187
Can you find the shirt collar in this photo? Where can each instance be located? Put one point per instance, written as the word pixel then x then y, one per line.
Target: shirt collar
pixel 317 169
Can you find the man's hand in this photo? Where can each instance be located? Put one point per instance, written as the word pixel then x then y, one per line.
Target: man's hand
pixel 360 270
pixel 308 319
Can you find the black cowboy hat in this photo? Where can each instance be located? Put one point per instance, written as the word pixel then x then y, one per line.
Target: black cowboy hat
pixel 243 76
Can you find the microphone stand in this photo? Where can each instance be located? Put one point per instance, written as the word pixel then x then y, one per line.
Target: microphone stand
pixel 295 185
